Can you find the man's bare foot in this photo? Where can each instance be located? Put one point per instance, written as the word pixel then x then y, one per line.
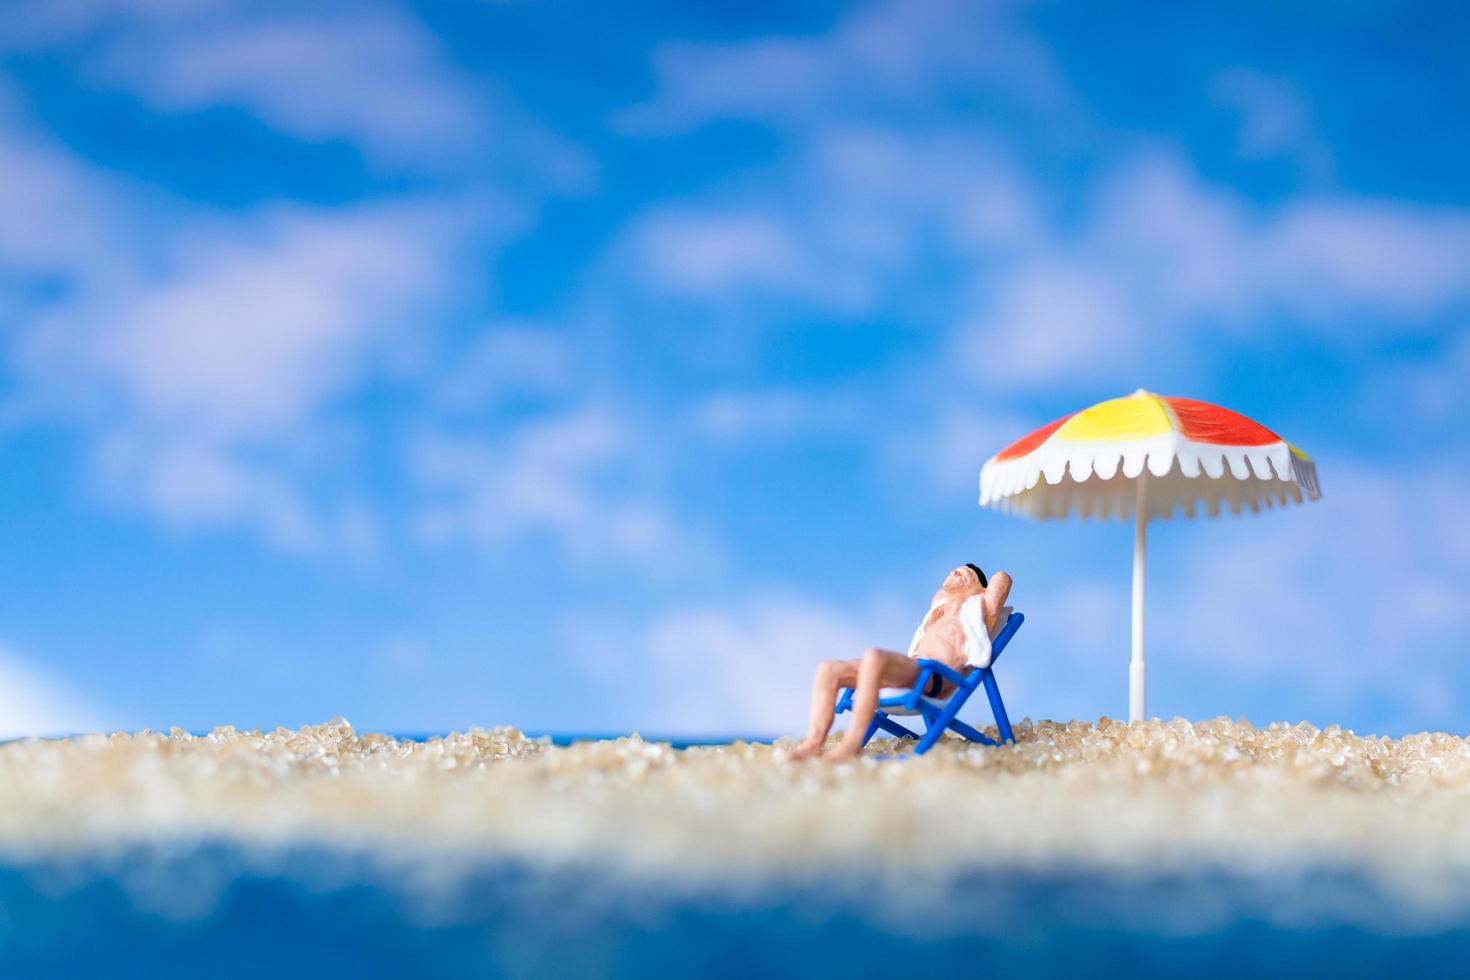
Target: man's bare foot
pixel 841 752
pixel 807 749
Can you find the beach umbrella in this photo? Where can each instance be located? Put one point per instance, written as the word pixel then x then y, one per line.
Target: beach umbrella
pixel 1145 456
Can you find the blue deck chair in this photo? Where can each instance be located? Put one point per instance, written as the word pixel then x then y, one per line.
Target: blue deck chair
pixel 940 714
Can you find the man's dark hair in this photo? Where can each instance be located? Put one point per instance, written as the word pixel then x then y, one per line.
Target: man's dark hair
pixel 984 582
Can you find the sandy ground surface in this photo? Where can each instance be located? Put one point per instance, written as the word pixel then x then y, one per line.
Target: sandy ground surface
pixel 1107 796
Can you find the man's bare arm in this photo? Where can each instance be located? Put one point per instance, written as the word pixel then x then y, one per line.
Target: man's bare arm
pixel 995 597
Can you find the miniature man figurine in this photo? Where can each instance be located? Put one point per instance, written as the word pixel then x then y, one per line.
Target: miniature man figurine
pixel 956 631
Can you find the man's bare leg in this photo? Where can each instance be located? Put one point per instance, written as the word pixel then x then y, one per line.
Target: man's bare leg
pixel 831 677
pixel 879 669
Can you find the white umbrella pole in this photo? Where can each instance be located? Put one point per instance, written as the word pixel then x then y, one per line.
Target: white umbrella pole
pixel 1136 682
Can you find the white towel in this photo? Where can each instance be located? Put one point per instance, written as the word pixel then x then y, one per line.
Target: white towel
pixel 977 638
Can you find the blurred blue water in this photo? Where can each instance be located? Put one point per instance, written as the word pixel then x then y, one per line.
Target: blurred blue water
pixel 212 911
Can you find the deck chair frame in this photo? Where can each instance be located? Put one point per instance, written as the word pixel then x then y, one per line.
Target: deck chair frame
pixel 941 716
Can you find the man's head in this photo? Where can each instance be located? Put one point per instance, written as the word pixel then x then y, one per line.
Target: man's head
pixel 967 578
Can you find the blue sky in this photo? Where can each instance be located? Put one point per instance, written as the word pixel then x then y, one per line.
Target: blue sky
pixel 579 369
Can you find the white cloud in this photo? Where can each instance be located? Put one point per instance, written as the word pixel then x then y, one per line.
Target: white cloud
pixel 209 357
pixel 844 226
pixel 206 373
pixel 881 206
pixel 203 485
pixel 196 485
pixel 1162 252
pixel 1351 608
pixel 33 702
pixel 52 210
pixel 945 226
pixel 206 356
pixel 505 361
pixel 538 479
pixel 1274 118
pixel 375 79
pixel 732 416
pixel 255 326
pixel 1398 260
pixel 209 369
pixel 1050 319
pixel 1204 250
pixel 703 254
pixel 946 452
pixel 564 475
pixel 888 56
pixel 54 23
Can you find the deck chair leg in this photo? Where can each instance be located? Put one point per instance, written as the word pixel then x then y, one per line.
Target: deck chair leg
pixel 997 706
pixel 938 724
pixel 873 727
pixel 930 737
pixel 894 728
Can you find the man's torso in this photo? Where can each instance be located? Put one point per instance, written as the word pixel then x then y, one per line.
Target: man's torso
pixel 944 640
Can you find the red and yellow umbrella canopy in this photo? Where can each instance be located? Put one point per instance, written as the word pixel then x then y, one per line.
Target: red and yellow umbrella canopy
pixel 1195 453
pixel 1146 456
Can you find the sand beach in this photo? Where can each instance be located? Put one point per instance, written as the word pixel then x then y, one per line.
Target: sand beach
pixel 1101 797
